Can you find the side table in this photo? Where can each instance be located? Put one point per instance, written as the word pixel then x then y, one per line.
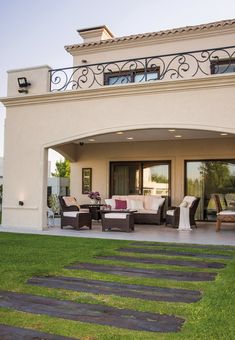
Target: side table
pixel 94 209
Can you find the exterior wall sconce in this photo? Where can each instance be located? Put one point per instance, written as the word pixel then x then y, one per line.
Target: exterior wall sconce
pixel 23 85
pixel 21 203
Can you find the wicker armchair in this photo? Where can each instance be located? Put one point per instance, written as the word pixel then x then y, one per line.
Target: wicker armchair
pixel 72 216
pixel 173 213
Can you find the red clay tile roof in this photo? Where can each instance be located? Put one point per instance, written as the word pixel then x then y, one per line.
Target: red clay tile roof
pixel 212 25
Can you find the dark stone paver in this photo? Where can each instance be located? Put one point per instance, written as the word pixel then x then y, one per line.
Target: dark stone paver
pixel 180 245
pixel 91 313
pixel 173 253
pixel 121 289
pixel 17 333
pixel 174 262
pixel 150 273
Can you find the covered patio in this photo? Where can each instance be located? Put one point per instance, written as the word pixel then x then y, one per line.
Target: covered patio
pixel 204 233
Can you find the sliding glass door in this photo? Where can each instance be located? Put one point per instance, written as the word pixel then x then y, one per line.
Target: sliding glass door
pixel 143 178
pixel 125 178
pixel 204 178
pixel 155 178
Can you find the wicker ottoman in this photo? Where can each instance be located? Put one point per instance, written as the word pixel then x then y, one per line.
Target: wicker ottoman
pixel 122 221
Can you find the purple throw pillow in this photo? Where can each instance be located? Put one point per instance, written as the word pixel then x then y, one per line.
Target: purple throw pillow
pixel 119 204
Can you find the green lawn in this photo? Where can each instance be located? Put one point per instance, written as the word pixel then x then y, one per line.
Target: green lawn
pixel 24 256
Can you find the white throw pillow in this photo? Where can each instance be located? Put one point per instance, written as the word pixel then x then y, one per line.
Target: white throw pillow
pixel 184 204
pixel 189 200
pixel 111 202
pixel 157 202
pixel 136 204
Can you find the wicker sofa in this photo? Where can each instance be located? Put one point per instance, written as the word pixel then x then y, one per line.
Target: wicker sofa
pixel 149 207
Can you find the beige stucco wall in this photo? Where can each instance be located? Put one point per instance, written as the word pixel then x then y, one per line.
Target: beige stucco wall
pixel 34 123
pixel 38 77
pixel 39 120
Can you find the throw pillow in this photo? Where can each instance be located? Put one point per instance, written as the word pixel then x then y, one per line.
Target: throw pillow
pixel 157 202
pixel 136 204
pixel 189 200
pixel 120 204
pixel 69 201
pixel 110 202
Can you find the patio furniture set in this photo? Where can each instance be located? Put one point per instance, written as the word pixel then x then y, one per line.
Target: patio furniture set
pixel 123 212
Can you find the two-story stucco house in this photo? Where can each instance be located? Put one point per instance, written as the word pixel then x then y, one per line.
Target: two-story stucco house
pixel 150 113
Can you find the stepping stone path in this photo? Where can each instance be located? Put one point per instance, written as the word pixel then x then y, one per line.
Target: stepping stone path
pixel 174 253
pixel 91 313
pixel 149 273
pixel 17 333
pixel 180 245
pixel 127 290
pixel 111 316
pixel 174 262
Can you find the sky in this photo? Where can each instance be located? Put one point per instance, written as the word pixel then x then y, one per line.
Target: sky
pixel 34 32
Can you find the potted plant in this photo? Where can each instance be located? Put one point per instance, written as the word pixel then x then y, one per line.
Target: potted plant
pixel 94 197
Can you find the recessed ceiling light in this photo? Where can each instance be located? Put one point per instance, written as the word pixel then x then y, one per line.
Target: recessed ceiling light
pixel 129 138
pixel 178 136
pixel 119 133
pixel 91 140
pixel 171 130
pixel 223 134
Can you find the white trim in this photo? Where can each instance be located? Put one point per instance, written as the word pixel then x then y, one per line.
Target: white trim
pixel 19 207
pixel 213 81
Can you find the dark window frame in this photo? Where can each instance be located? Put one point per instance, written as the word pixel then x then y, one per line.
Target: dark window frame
pixel 131 74
pixel 222 62
pixel 141 167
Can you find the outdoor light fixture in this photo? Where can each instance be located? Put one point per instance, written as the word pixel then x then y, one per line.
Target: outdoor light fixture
pixel 21 203
pixel 23 84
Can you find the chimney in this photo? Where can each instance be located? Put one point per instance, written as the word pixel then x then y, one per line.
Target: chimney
pixel 95 34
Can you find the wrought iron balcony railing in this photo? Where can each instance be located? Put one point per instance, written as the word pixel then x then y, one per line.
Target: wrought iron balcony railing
pixel 156 68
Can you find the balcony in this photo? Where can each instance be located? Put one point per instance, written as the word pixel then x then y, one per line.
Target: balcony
pixel 183 65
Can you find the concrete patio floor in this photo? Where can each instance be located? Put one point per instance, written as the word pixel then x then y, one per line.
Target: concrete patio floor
pixel 204 234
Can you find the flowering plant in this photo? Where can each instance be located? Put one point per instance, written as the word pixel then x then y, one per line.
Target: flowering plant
pixel 94 195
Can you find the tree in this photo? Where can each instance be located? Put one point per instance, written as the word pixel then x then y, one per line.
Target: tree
pixel 62 169
pixel 216 176
pixel 159 178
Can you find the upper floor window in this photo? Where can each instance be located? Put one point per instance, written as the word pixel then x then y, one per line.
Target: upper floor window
pixel 125 77
pixel 223 66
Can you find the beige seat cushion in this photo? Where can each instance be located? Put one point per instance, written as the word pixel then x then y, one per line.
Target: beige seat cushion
pixel 116 215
